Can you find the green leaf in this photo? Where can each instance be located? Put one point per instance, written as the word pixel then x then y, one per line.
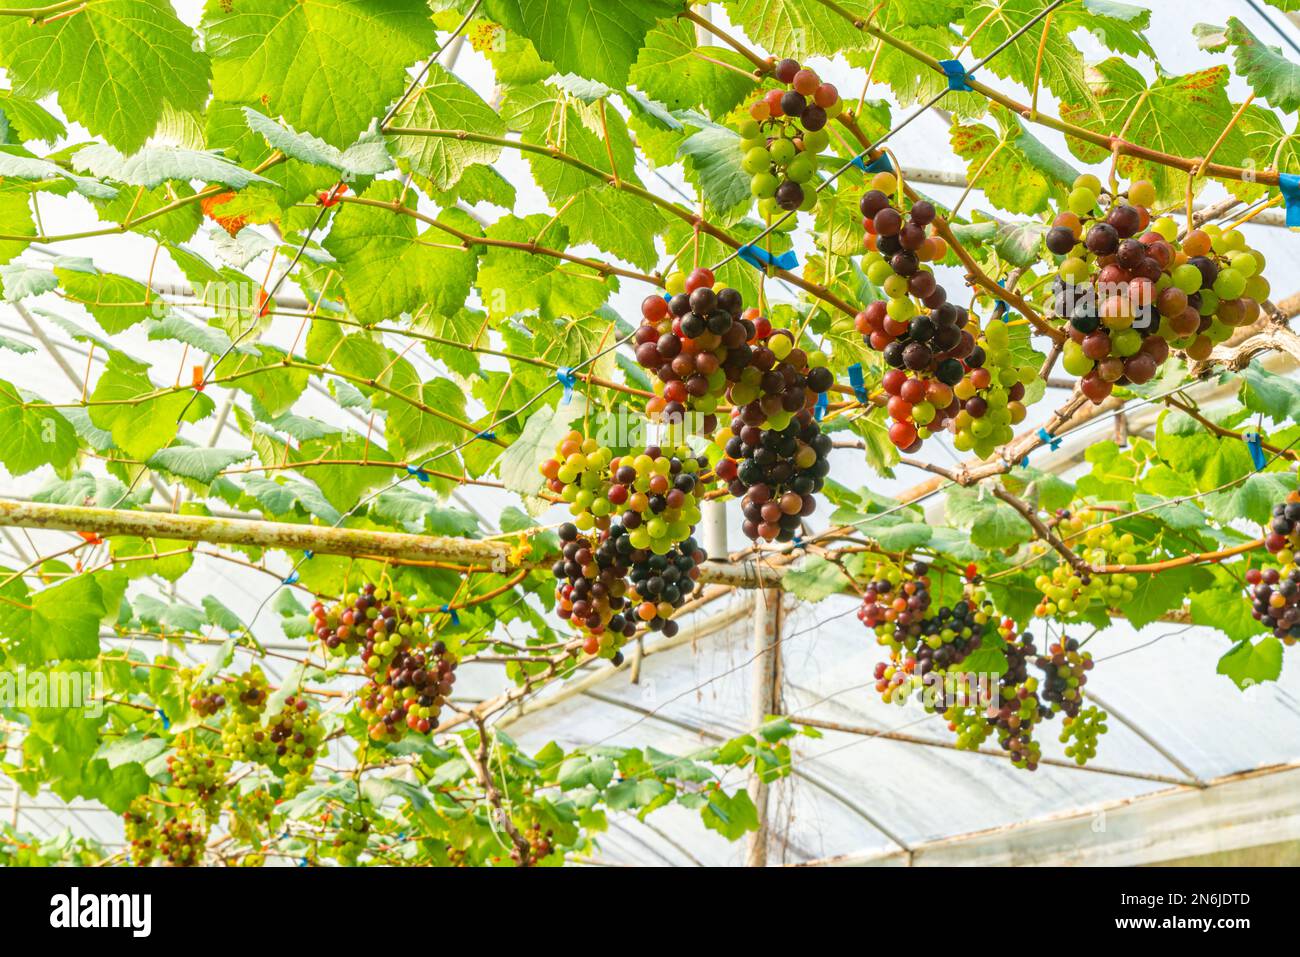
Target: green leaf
pixel 1276 396
pixel 1248 664
pixel 1157 594
pixel 15 220
pixel 1182 115
pixel 512 280
pixel 131 748
pixel 592 38
pixel 1014 169
pixel 517 465
pixel 389 267
pixel 800 29
pixel 732 817
pixel 1268 71
pixel 992 523
pixel 329 67
pixel 154 165
pixel 142 419
pixel 1225 610
pixel 815 579
pixel 28 120
pixel 674 71
pixel 193 462
pixel 443 102
pixel 33 436
pixel 1252 499
pixel 712 158
pixel 20 282
pixel 368 156
pixel 116 65
pixel 30 168
pixel 116 302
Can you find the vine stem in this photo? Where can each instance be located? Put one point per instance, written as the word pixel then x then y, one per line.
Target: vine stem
pixel 1106 142
pixel 687 216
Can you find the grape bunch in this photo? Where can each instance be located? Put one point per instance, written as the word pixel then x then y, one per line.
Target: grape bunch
pixel 781 381
pixel 592 589
pixel 350 837
pixel 539 846
pixel 1079 733
pixel 658 491
pixel 922 337
pixel 896 606
pixel 141 831
pixel 1018 708
pixel 783 136
pixel 295 736
pixel 694 343
pixel 1065 672
pixel 205 702
pixel 375 623
pixel 1282 536
pixel 181 842
pixel 199 773
pixel 660 584
pixel 1113 288
pixel 287 742
pixel 1067 594
pixel 1275 601
pixel 775 473
pixel 577 474
pixel 242 736
pixel 410 694
pixel 991 393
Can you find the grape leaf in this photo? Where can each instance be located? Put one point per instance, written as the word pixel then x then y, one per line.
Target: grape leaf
pixel 1268 71
pixel 594 38
pixel 115 65
pixel 328 67
pixel 443 102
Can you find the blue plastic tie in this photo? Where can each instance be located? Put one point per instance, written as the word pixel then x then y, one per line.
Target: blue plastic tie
pixel 302 862
pixel 797 542
pixel 958 76
pixel 447 609
pixel 823 403
pixel 1289 183
pixel 166 722
pixel 880 164
pixel 309 554
pixel 1052 441
pixel 1002 302
pixel 487 434
pixel 761 259
pixel 1254 443
pixel 291 578
pixel 564 375
pixel 668 297
pixel 420 474
pixel 1024 463
pixel 859 385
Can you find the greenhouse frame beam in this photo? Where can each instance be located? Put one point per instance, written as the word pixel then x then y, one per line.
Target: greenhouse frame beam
pixel 1236 811
pixel 902 738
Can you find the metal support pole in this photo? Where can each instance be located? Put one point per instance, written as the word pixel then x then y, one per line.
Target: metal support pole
pixel 763 702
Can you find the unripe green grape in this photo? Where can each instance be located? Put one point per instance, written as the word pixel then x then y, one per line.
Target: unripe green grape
pixel 764 185
pixel 1187 278
pixel 782 151
pixel 1229 284
pixel 757 160
pixel 1081 201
